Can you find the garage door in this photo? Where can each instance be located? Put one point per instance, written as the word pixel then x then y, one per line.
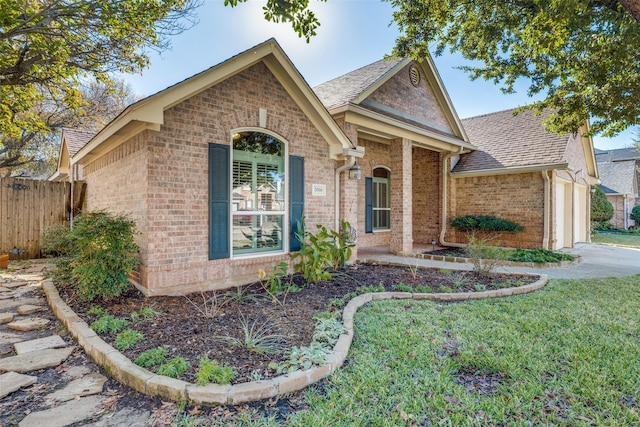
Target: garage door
pixel 564 217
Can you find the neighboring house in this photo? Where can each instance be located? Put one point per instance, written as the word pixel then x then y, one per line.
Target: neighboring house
pixel 619 171
pixel 218 169
pixel 528 175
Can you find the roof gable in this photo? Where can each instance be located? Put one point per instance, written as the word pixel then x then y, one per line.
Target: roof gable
pixel 506 141
pixel 377 87
pixel 148 113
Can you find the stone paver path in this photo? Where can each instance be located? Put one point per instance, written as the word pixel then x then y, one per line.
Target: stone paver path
pixel 29 349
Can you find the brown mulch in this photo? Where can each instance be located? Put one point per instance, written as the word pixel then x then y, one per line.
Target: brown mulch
pixel 189 328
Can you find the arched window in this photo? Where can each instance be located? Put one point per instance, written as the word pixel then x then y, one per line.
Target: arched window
pixel 381 199
pixel 258 188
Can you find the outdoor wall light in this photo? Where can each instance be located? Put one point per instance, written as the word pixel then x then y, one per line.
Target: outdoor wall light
pixel 355 172
pixel 433 243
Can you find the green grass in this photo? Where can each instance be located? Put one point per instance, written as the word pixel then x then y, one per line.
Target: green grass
pixel 568 355
pixel 617 239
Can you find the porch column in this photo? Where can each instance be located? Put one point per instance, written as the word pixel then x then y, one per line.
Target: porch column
pixel 401 197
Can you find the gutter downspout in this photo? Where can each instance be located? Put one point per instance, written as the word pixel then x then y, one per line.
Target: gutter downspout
pixel 445 174
pixel 547 194
pixel 349 162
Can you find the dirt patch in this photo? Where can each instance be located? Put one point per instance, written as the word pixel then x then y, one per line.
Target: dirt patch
pixel 195 325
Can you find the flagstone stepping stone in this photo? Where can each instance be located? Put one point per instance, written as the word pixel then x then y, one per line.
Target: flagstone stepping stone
pixel 27 325
pixel 13 381
pixel 35 360
pixel 4 289
pixel 81 387
pixel 35 269
pixel 14 284
pixel 66 414
pixel 29 309
pixel 6 318
pixel 54 341
pixel 5 296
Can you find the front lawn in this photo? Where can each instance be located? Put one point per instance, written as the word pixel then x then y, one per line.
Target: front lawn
pixel 617 239
pixel 568 355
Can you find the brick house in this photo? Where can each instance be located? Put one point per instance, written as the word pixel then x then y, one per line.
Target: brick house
pixel 620 175
pixel 217 169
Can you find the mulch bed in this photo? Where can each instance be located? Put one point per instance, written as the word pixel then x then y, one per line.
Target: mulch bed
pixel 190 329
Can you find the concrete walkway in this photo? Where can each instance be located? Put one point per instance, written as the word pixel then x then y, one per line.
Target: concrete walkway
pixel 596 261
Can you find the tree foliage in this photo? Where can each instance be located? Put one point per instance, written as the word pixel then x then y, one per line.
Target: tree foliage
pixel 34 152
pixel 295 12
pixel 601 207
pixel 47 47
pixel 582 55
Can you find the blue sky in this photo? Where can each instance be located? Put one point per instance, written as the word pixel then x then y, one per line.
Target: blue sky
pixel 353 33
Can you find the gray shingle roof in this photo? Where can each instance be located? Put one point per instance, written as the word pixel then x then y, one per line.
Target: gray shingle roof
pixel 76 139
pixel 344 89
pixel 617 155
pixel 617 177
pixel 508 141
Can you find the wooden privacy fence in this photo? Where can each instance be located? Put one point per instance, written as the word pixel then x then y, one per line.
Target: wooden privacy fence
pixel 27 207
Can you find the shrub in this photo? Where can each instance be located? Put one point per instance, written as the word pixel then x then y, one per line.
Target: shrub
pixel 152 357
pixel 127 339
pixel 327 249
pixel 97 255
pixel 303 358
pixel 635 214
pixel 174 367
pixel 538 255
pixel 485 257
pixel 109 324
pixel 601 208
pixel 471 223
pixel 210 371
pixel 402 287
pixel 328 330
pixel 423 289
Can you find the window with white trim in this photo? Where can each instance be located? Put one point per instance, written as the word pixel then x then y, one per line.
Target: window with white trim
pixel 258 203
pixel 381 199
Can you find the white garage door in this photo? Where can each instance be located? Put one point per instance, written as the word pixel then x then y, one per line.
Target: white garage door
pixel 564 217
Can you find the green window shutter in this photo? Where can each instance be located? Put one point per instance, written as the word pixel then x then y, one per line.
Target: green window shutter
pixel 368 205
pixel 219 199
pixel 296 198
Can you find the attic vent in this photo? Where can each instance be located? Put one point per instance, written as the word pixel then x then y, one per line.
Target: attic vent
pixel 414 75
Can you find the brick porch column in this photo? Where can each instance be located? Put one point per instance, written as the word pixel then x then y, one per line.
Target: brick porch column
pixel 401 197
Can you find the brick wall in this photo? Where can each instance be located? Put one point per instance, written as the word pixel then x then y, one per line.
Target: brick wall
pixel 376 154
pixel 418 102
pixel 168 179
pixel 516 197
pixel 427 195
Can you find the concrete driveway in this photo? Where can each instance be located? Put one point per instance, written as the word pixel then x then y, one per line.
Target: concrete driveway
pixel 597 261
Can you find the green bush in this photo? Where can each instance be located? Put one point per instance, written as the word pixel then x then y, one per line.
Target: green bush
pixel 327 249
pixel 602 225
pixel 152 357
pixel 471 223
pixel 127 339
pixel 96 256
pixel 210 371
pixel 174 367
pixel 538 255
pixel 601 208
pixel 485 257
pixel 635 214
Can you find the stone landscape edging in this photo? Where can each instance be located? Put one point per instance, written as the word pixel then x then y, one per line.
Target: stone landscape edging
pixel 503 263
pixel 128 373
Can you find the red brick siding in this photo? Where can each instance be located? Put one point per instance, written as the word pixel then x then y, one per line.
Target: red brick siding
pixel 419 102
pixel 376 154
pixel 517 197
pixel 427 195
pixel 175 197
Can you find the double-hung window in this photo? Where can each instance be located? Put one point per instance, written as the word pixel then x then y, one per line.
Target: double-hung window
pixel 258 188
